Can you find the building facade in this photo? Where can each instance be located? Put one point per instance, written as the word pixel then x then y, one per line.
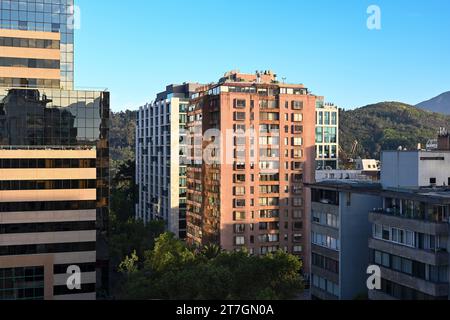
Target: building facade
pixel 410 231
pixel 54 160
pixel 327 136
pixel 251 145
pixel 339 232
pixel 37 40
pixel 161 166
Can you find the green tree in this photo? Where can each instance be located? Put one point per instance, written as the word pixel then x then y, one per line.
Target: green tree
pixel 173 271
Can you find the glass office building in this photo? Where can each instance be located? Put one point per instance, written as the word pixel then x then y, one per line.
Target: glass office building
pixel 54 159
pixel 54 189
pixel 46 16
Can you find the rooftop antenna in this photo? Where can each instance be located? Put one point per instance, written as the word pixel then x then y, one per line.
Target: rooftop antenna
pixel 284 79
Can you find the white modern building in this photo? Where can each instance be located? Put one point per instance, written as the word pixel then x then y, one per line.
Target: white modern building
pixel 160 158
pixel 414 169
pixel 327 136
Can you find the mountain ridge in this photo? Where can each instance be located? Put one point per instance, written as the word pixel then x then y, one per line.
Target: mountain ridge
pixel 386 126
pixel 440 104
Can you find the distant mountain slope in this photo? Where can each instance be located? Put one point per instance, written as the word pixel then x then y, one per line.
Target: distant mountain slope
pixel 439 104
pixel 382 126
pixel 388 125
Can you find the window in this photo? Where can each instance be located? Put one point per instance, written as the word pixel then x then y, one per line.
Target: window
pixel 325 285
pixel 320 118
pixel 239 215
pixel 239 191
pixel 269 116
pixel 269 201
pixel 239 104
pixel 297 141
pixel 297 202
pixel 239 166
pixel 432 181
pixel 327 118
pixel 297 117
pixel 325 241
pixel 399 236
pixel 409 238
pixel 334 118
pixel 239 228
pixel 239 116
pixel 378 257
pixel 385 260
pixel 239 128
pixel 386 235
pixel 22 283
pixel 239 203
pixel 297 214
pixel 239 241
pixel 297 129
pixel 275 141
pixel 297 105
pixel 297 153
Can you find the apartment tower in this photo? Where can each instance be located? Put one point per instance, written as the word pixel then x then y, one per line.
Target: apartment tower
pixel 251 146
pixel 54 159
pixel 161 165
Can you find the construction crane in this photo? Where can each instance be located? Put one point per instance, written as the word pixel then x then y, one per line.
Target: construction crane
pixel 348 159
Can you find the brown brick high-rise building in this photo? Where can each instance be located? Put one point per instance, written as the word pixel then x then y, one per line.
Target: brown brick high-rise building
pixel 245 184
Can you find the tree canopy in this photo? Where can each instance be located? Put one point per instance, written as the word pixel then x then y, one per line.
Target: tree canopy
pixel 173 271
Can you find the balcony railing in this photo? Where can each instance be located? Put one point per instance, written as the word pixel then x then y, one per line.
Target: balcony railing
pixel 417 215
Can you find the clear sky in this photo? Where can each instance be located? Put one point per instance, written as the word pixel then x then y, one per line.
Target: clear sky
pixel 136 47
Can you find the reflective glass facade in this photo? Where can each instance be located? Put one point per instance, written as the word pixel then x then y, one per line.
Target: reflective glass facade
pixel 47 16
pixel 54 119
pixel 22 283
pixel 47 117
pixel 327 136
pixel 57 118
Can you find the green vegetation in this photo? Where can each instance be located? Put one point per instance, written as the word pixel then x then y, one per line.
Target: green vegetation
pixel 172 271
pixel 386 126
pixel 126 235
pixel 122 136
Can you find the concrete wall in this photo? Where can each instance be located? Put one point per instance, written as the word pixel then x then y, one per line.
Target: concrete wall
pixel 432 168
pixel 174 191
pixel 414 168
pixel 355 231
pixel 399 169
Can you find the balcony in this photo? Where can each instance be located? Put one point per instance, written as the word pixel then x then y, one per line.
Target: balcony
pixel 394 219
pixel 430 288
pixel 434 258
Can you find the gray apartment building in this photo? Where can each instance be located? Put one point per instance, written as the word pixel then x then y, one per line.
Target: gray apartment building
pixel 410 232
pixel 400 225
pixel 339 233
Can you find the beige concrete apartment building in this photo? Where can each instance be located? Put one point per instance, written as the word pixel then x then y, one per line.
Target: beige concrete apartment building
pixel 251 143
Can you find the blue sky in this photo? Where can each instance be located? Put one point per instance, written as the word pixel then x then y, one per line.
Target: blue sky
pixel 135 48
